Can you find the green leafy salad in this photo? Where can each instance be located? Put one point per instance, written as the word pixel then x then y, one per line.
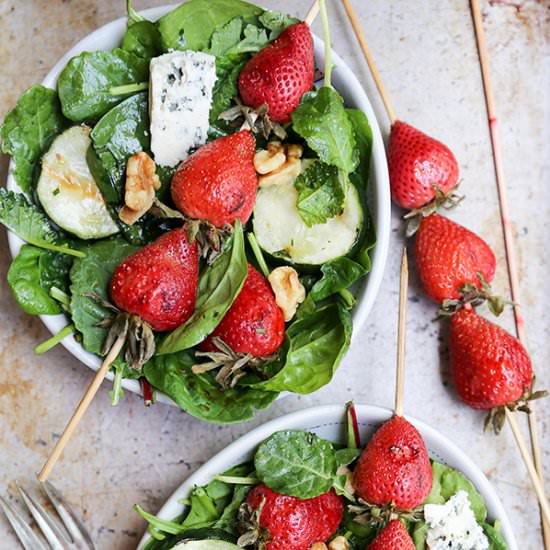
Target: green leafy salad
pixel 95 163
pixel 298 492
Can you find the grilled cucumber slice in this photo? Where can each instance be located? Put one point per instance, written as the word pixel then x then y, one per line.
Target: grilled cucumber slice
pixel 281 232
pixel 67 190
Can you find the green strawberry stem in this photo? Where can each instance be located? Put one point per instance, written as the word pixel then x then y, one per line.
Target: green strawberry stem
pixel 326 39
pixel 133 15
pixel 236 480
pixel 117 393
pixel 353 437
pixel 54 340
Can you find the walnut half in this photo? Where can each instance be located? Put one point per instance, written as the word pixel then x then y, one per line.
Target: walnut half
pixel 278 163
pixel 289 291
pixel 141 183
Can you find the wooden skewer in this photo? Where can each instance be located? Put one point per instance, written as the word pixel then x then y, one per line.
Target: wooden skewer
pixel 370 60
pixel 401 334
pixel 81 409
pixel 312 13
pixel 509 244
pixel 545 509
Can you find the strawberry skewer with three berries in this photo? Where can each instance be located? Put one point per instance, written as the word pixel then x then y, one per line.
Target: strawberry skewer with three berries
pixel 491 368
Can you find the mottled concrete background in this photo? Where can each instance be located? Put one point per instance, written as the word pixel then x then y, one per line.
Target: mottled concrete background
pixel 428 59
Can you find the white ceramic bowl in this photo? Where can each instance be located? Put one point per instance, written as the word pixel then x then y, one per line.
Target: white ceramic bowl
pixel 329 422
pixel 110 36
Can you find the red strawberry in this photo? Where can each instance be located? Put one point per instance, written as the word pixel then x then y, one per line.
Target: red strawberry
pixel 254 323
pixel 393 537
pixel 490 367
pixel 394 467
pixel 418 164
pixel 295 524
pixel 218 182
pixel 448 256
pixel 159 282
pixel 280 74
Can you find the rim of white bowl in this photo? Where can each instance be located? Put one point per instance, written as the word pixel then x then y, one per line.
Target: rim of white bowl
pixel 439 447
pixel 108 37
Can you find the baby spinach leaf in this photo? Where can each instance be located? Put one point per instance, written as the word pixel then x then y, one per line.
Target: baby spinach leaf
pixel 28 130
pixel 84 85
pixel 200 395
pixel 235 37
pixel 496 540
pixel 225 89
pixel 322 121
pixel 316 343
pixel 296 463
pixel 344 457
pixel 93 274
pixel 31 275
pixel 120 133
pixel 363 140
pixel 228 521
pixel 338 274
pixel 367 243
pixel 276 22
pixel 321 193
pixel 447 482
pixel 190 25
pixel 142 39
pixel 219 285
pixel 30 224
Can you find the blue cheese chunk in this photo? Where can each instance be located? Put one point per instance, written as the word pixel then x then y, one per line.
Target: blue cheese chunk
pixel 453 526
pixel 180 97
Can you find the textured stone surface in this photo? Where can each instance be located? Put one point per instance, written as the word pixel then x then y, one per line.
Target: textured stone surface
pixel 427 57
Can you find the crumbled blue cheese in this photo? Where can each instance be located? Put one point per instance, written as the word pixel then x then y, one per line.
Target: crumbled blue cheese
pixel 180 98
pixel 453 526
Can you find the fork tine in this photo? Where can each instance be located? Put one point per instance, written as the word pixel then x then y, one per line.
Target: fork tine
pixel 70 520
pixel 25 534
pixel 50 530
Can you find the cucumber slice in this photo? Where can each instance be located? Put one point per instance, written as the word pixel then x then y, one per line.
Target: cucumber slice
pixel 206 545
pixel 67 190
pixel 281 232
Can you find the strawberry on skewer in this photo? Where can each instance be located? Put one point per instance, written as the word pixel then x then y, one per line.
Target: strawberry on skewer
pixel 394 470
pixel 491 369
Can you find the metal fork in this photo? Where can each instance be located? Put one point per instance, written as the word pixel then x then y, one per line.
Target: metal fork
pixel 73 537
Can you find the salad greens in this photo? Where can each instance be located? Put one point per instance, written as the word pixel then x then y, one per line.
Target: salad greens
pixel 302 464
pixel 28 130
pixel 56 272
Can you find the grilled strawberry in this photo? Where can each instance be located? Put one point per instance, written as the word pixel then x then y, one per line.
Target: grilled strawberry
pixel 490 367
pixel 393 537
pixel 418 165
pixel 394 468
pixel 280 74
pixel 218 182
pixel 449 256
pixel 159 282
pixel 291 523
pixel 254 323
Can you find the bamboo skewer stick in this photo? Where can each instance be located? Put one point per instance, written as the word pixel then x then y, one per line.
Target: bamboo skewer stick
pixel 545 508
pixel 509 244
pixel 370 61
pixel 401 335
pixel 312 13
pixel 81 409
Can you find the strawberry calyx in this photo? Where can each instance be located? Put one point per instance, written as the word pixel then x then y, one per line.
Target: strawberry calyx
pixel 447 201
pixel 497 416
pixel 378 517
pixel 474 296
pixel 139 338
pixel 248 520
pixel 256 120
pixel 231 364
pixel 209 238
